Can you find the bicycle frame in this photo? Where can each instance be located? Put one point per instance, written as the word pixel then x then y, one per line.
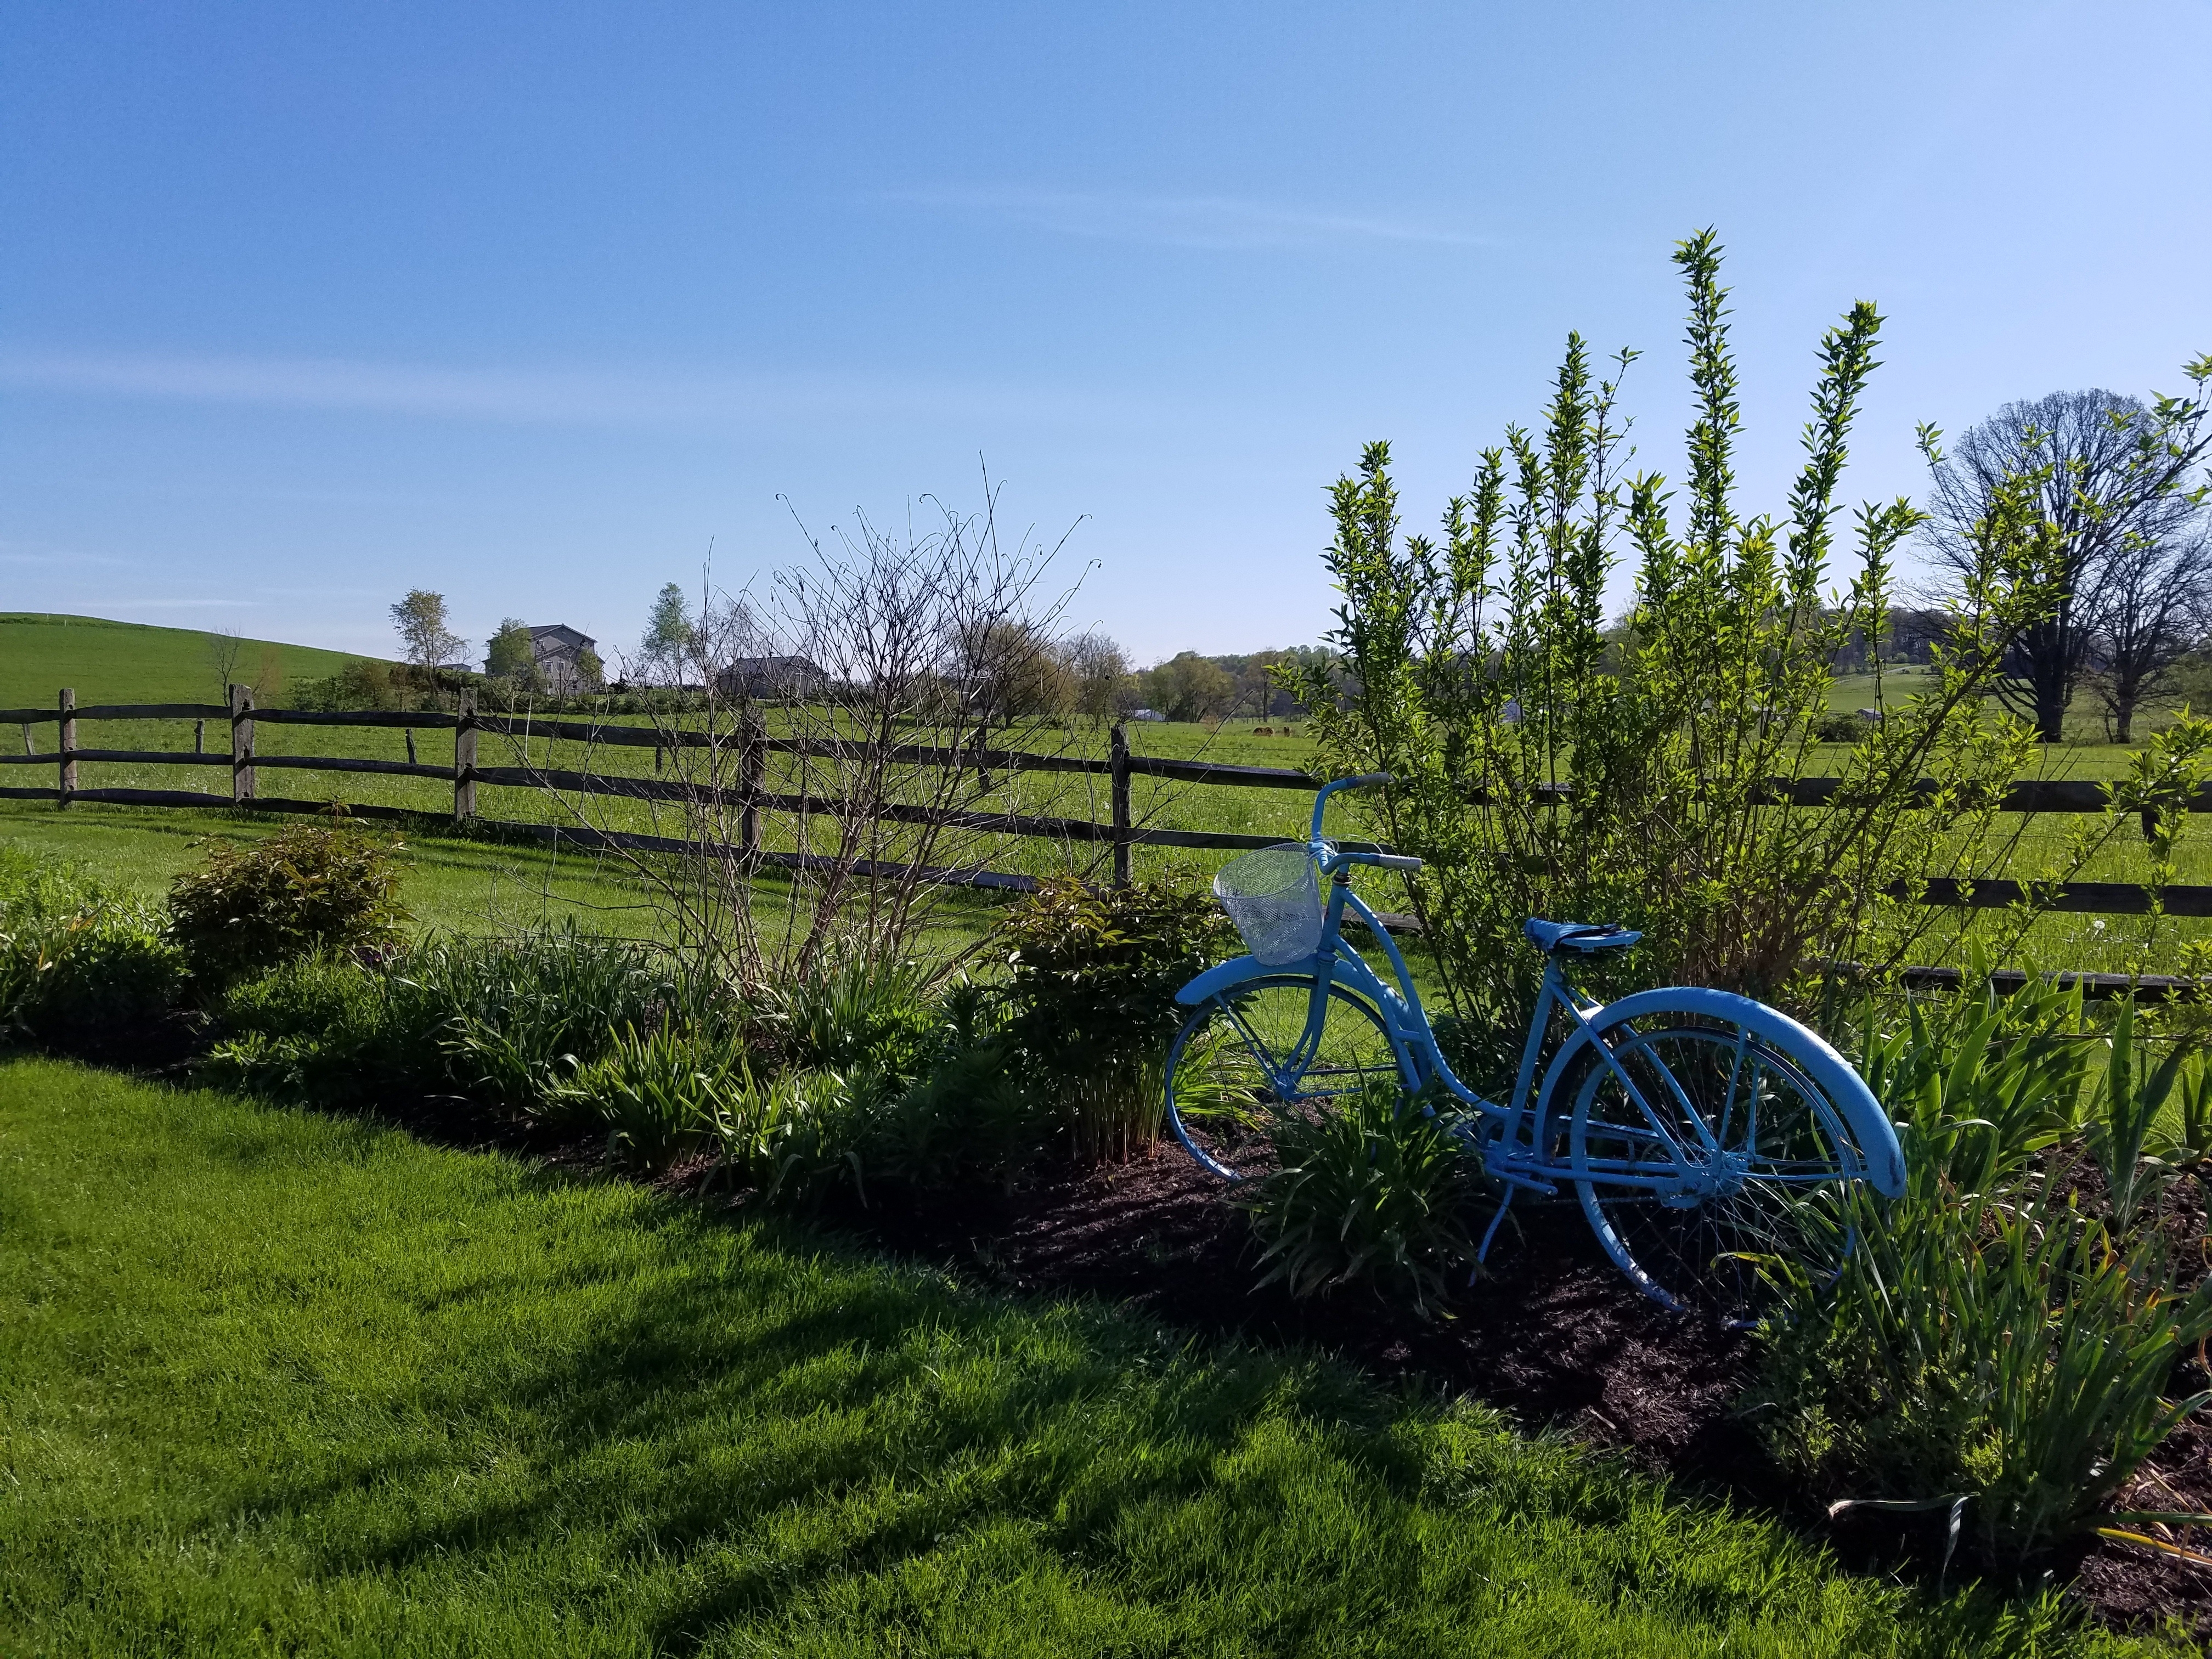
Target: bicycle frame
pixel 1749 1066
pixel 1512 1142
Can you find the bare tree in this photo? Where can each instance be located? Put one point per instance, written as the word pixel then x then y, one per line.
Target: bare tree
pixel 2111 478
pixel 224 648
pixel 2154 609
pixel 859 714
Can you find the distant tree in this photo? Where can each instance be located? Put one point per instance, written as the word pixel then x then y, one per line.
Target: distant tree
pixel 420 619
pixel 1014 671
pixel 1100 673
pixel 1189 687
pixel 2155 610
pixel 224 649
pixel 669 635
pixel 511 656
pixel 590 672
pixel 2112 480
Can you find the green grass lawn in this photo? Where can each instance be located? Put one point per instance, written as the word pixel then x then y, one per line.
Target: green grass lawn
pixel 271 1383
pixel 129 662
pixel 448 883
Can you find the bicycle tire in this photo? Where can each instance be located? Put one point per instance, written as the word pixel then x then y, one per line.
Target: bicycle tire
pixel 1228 1066
pixel 1710 1216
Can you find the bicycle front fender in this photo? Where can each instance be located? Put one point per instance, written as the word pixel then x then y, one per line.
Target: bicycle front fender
pixel 1224 975
pixel 1827 1069
pixel 1346 969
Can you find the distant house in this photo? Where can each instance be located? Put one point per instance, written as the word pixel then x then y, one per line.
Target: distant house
pixel 771 677
pixel 560 651
pixel 1146 715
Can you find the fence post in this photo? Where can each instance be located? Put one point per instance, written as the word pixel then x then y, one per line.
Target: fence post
pixel 464 756
pixel 241 744
pixel 1120 753
pixel 199 737
pixel 68 744
pixel 752 767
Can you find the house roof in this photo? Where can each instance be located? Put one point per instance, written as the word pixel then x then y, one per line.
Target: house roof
pixel 559 636
pixel 773 664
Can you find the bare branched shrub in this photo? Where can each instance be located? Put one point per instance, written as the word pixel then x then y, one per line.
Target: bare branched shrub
pixel 835 741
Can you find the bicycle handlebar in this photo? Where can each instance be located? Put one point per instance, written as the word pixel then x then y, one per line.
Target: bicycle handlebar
pixel 1379 860
pixel 1320 800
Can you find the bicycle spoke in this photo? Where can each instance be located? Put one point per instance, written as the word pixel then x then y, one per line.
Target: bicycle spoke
pixel 1754 1139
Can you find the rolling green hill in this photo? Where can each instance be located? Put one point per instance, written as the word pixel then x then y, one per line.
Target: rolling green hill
pixel 132 662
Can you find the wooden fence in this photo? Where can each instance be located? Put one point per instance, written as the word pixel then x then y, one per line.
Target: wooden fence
pixel 240 717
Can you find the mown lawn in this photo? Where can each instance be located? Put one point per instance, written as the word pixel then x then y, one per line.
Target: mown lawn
pixel 276 1382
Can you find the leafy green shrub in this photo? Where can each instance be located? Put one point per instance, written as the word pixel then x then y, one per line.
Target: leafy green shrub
pixel 663 1094
pixel 1094 975
pixel 508 1021
pixel 1477 666
pixel 1370 1192
pixel 82 968
pixel 313 1028
pixel 1985 1337
pixel 853 1014
pixel 306 888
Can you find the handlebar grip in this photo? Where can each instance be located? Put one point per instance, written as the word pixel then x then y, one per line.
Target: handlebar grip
pixel 1365 779
pixel 1398 861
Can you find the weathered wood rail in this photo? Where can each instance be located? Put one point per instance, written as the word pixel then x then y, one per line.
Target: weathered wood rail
pixel 748 749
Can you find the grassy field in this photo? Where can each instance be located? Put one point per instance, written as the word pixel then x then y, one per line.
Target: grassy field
pixel 114 662
pixel 271 1381
pixel 129 662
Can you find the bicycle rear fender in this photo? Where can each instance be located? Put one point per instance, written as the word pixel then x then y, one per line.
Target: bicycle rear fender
pixel 1824 1067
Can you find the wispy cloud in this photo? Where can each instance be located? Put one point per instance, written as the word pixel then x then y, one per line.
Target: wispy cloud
pixel 1202 221
pixel 523 395
pixel 45 553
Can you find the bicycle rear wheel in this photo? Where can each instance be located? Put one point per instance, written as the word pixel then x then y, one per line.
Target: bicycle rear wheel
pixel 1708 1158
pixel 1245 1057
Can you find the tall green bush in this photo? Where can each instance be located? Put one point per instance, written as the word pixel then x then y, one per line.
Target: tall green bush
pixel 82 968
pixel 1092 985
pixel 306 888
pixel 1548 762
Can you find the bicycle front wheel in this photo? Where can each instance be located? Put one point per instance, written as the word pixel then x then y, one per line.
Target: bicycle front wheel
pixel 1247 1057
pixel 1709 1160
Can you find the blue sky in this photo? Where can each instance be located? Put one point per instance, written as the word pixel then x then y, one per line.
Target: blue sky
pixel 303 306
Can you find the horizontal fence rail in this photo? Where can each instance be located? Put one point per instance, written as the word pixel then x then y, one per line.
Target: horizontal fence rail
pixel 746 747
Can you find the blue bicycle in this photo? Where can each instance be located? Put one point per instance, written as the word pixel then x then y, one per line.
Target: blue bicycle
pixel 1705 1134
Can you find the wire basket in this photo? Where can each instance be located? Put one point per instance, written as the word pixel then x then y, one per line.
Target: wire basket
pixel 1273 896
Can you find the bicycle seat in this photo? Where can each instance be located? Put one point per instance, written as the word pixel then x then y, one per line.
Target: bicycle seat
pixel 1585 938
